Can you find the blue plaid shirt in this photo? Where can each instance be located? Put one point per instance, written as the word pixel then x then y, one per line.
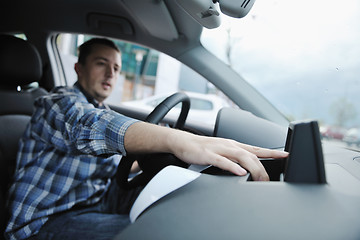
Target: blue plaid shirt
pixel 68 155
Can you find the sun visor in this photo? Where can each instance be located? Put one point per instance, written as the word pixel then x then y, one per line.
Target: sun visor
pixel 106 24
pixel 162 26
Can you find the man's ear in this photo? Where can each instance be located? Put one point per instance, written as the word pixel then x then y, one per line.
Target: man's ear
pixel 77 68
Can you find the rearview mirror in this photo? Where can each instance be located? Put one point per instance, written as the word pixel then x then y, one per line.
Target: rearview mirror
pixel 206 12
pixel 236 8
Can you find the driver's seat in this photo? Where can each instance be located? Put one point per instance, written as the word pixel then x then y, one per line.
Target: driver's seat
pixel 20 72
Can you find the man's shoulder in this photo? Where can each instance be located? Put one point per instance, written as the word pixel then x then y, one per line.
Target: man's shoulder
pixel 62 95
pixel 63 91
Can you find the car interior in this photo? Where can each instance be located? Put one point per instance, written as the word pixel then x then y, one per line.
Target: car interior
pixel 320 203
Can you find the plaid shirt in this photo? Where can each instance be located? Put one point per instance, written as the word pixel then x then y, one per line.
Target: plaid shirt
pixel 67 156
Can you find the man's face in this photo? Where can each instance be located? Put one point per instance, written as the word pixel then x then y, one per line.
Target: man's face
pixel 99 74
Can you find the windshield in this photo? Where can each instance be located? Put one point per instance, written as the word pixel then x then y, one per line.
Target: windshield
pixel 303 56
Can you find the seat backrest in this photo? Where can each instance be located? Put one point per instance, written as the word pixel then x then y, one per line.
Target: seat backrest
pixel 20 68
pixel 20 72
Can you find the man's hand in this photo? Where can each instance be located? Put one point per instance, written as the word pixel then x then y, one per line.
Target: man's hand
pixel 226 154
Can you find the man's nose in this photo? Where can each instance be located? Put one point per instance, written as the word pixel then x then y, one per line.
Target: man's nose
pixel 110 71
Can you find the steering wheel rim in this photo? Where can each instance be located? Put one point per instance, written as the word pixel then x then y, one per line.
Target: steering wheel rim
pixel 166 105
pixel 158 160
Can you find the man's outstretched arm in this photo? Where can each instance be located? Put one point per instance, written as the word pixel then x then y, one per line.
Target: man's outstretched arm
pixel 226 154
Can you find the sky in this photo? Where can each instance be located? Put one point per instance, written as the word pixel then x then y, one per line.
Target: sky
pixel 304 56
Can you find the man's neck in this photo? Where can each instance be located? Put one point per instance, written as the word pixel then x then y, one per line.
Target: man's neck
pixel 88 96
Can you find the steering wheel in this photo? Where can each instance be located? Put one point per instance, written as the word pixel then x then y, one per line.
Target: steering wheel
pixel 152 163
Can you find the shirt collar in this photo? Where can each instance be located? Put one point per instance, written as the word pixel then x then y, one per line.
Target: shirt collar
pixel 89 98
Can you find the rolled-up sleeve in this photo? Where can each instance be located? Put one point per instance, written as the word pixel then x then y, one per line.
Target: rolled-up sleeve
pixel 103 133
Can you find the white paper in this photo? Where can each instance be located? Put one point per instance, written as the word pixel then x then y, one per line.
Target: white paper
pixel 166 181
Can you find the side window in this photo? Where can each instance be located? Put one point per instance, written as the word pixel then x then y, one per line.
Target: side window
pixel 148 77
pixel 201 104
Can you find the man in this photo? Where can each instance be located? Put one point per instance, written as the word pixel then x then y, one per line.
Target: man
pixel 63 186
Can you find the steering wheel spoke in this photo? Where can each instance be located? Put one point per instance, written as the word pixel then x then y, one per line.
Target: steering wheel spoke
pixel 151 164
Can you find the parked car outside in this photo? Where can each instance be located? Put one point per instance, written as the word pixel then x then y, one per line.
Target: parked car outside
pixel 333 132
pixel 352 137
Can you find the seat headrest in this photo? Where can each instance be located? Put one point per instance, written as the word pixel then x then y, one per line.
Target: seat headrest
pixel 20 62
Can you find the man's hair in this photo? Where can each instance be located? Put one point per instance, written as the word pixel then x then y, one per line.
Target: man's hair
pixel 86 48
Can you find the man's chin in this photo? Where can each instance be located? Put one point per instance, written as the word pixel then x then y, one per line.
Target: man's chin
pixel 104 95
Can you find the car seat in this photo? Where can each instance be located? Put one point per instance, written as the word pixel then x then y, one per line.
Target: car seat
pixel 20 71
